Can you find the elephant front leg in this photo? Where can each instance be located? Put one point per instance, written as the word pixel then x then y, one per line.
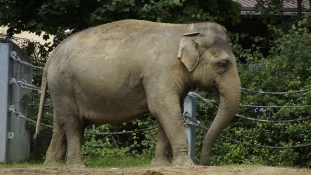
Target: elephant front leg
pixel 170 118
pixel 162 150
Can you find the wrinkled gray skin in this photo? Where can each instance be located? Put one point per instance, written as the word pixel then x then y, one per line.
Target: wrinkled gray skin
pixel 119 71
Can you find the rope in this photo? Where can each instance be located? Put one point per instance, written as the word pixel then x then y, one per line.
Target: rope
pixel 264 146
pixel 254 106
pixel 273 121
pixel 14 56
pixel 210 102
pixel 254 119
pixel 248 144
pixel 122 132
pixel 276 93
pixel 198 125
pixel 23 84
pixel 19 114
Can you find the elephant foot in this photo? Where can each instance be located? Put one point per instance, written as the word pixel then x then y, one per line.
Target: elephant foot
pixel 162 161
pixel 76 164
pixel 54 162
pixel 182 160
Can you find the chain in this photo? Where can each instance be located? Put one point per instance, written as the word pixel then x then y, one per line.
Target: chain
pixel 14 56
pixel 23 84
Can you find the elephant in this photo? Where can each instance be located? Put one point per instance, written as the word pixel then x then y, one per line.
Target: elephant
pixel 119 71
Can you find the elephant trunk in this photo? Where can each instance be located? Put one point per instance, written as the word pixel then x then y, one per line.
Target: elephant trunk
pixel 229 100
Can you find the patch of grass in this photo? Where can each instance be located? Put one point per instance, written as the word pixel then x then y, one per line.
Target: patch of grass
pixel 244 165
pixel 124 161
pixel 262 165
pixel 25 164
pixel 110 161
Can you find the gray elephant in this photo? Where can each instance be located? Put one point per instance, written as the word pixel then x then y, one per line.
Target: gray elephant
pixel 119 71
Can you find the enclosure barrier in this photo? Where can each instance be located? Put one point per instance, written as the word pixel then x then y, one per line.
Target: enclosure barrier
pixel 14 137
pixel 188 116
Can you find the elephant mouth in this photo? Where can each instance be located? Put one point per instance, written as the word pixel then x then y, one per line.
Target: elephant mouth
pixel 215 94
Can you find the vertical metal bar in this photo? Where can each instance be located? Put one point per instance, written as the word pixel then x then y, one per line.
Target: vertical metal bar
pixel 19 146
pixel 4 99
pixel 190 106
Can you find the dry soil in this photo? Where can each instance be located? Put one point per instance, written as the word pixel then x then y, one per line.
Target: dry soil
pixel 187 170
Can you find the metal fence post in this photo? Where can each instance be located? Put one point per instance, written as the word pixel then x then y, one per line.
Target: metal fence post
pixel 190 107
pixel 4 99
pixel 14 136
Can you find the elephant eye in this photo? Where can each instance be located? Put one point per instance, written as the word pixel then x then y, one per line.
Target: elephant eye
pixel 221 66
pixel 222 63
pixel 196 45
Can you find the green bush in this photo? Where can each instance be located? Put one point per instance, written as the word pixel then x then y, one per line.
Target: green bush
pixel 286 68
pixel 136 143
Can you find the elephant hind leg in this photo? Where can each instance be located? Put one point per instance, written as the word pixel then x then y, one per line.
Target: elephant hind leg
pixel 67 134
pixel 57 150
pixel 163 149
pixel 74 136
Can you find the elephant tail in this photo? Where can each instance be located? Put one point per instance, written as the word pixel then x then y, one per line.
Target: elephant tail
pixel 44 86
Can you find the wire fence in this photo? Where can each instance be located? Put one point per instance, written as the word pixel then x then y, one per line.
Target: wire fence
pixel 116 142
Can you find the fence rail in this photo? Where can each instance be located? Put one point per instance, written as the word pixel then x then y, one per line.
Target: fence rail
pixel 276 93
pixel 14 56
pixel 189 122
pixel 23 84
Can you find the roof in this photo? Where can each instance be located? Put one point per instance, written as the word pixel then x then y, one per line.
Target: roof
pixel 289 5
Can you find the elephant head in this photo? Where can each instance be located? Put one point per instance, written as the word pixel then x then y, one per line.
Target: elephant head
pixel 205 49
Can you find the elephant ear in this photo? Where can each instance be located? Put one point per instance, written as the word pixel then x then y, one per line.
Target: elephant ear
pixel 188 51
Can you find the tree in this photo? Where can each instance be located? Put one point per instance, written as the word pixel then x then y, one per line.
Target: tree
pixel 55 16
pixel 273 9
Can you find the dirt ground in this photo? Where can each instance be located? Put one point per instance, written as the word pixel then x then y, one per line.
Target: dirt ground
pixel 186 170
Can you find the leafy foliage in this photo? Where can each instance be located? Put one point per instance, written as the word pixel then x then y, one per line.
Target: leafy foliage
pixel 272 11
pixel 136 143
pixel 286 68
pixel 53 17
